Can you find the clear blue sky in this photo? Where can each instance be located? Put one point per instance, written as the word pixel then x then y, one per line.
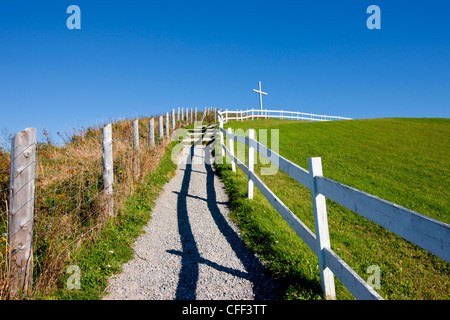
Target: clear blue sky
pixel 134 58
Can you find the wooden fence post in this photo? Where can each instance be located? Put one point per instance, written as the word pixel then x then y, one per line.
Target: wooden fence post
pixel 173 119
pixel 222 142
pixel 161 128
pixel 167 126
pixel 195 114
pixel 321 228
pixel 251 162
pixel 21 209
pixel 108 173
pixel 231 147
pixel 136 147
pixel 151 132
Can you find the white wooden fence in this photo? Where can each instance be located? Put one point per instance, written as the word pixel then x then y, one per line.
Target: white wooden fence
pixel 252 114
pixel 427 233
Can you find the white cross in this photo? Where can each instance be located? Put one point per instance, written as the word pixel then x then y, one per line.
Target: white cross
pixel 260 94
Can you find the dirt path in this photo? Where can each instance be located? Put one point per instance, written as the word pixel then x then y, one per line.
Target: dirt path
pixel 191 250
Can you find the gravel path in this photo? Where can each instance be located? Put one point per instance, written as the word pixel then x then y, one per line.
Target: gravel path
pixel 191 250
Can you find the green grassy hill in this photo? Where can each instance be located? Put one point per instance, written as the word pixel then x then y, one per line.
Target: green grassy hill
pixel 405 161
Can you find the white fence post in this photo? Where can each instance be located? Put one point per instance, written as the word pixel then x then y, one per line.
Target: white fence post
pixel 21 209
pixel 151 132
pixel 251 162
pixel 222 142
pixel 161 128
pixel 231 147
pixel 321 227
pixel 167 126
pixel 108 174
pixel 173 119
pixel 135 131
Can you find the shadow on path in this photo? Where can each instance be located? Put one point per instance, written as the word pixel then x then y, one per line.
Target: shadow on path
pixel 190 256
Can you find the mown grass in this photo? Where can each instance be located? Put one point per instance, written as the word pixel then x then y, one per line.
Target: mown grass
pixel 100 257
pixel 401 160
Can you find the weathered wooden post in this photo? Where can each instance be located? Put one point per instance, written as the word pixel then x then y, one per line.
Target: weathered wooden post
pixel 231 147
pixel 108 173
pixel 195 117
pixel 161 128
pixel 136 148
pixel 21 209
pixel 173 119
pixel 167 126
pixel 321 228
pixel 251 162
pixel 151 132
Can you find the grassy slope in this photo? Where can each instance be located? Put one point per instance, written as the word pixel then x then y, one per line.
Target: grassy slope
pixel 401 160
pixel 104 256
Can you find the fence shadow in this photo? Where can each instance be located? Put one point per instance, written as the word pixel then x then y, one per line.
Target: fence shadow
pixel 263 287
pixel 190 256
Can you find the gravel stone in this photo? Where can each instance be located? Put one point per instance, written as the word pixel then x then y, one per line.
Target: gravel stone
pixel 191 249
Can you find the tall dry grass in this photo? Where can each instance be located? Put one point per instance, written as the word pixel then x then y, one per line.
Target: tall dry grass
pixel 69 201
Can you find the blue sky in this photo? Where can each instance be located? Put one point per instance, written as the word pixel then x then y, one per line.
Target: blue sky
pixel 134 58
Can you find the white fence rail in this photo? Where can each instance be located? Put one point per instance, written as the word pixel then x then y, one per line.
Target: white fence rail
pixel 427 233
pixel 252 114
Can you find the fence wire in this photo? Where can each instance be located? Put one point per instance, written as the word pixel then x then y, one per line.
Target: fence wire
pixel 69 201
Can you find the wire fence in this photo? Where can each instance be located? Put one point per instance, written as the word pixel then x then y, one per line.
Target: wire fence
pixel 68 203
